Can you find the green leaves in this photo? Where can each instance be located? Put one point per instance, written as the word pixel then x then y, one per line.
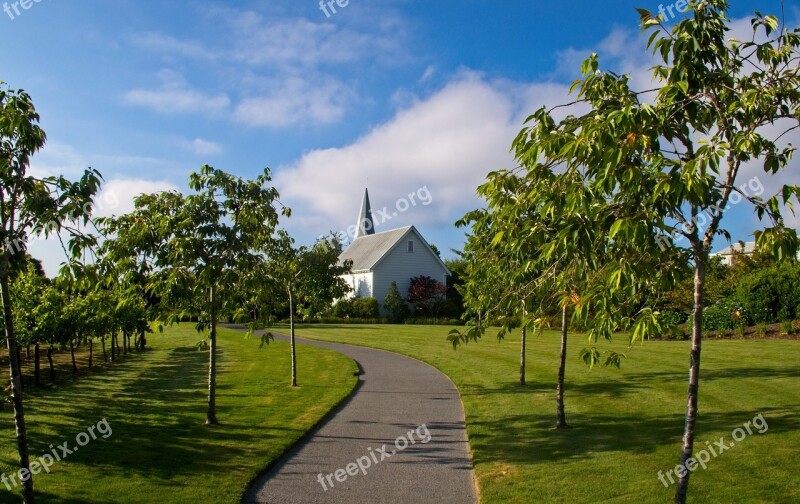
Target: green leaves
pixel 266 338
pixel 473 333
pixel 647 18
pixel 595 193
pixel 187 244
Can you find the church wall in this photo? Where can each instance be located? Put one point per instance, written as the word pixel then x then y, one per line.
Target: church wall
pixel 401 266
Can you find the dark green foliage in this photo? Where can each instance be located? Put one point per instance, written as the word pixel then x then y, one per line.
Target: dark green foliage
pixel 365 308
pixel 454 303
pixel 721 316
pixel 771 294
pixel 325 319
pixel 672 317
pixel 359 308
pixel 396 304
pixel 433 321
pixel 753 290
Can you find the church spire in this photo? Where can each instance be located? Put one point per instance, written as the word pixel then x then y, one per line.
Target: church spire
pixel 365 226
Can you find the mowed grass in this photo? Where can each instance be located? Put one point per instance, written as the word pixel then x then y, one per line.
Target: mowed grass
pixel 155 403
pixel 627 423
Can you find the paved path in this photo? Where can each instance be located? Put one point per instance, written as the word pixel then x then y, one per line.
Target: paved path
pixel 396 397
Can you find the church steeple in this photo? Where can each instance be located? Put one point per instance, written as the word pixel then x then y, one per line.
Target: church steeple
pixel 365 226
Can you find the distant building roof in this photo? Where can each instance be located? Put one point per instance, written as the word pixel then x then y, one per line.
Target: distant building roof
pixel 366 251
pixel 746 248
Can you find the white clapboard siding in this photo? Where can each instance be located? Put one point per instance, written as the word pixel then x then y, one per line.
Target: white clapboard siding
pixel 383 258
pixel 401 266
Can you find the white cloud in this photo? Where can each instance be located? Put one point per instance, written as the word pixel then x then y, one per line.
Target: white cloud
pixel 296 101
pixel 175 96
pixel 451 140
pixel 430 71
pixel 115 198
pixel 116 195
pixel 58 159
pixel 447 142
pixel 202 147
pixel 285 69
pixel 170 45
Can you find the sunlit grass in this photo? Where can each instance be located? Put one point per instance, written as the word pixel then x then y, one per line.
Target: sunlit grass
pixel 155 403
pixel 627 423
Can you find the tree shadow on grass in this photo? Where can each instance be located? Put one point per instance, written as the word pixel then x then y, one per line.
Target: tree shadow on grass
pixel 530 439
pixel 711 373
pixel 157 423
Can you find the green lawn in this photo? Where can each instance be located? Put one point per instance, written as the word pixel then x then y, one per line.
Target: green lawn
pixel 159 450
pixel 627 423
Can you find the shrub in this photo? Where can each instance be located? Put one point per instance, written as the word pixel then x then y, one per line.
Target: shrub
pixel 771 294
pixel 426 294
pixel 352 321
pixel 672 317
pixel 343 309
pixel 395 304
pixel 722 316
pixel 787 328
pixel 363 308
pixel 366 308
pixel 761 329
pixel 433 321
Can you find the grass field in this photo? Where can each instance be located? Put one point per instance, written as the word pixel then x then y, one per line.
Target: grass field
pixel 627 423
pixel 159 450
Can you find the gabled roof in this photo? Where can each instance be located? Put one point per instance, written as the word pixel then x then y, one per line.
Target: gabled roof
pixel 747 249
pixel 367 251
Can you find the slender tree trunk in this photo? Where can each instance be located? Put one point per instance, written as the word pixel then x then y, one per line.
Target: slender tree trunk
pixel 28 351
pixel 72 353
pixel 211 417
pixel 522 346
pixel 113 339
pixel 19 364
pixel 143 341
pixel 291 336
pixel 91 351
pixel 103 344
pixel 50 362
pixel 125 343
pixel 561 417
pixel 16 381
pixel 694 376
pixel 37 366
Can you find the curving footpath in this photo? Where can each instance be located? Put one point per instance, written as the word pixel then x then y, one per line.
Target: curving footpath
pixel 399 438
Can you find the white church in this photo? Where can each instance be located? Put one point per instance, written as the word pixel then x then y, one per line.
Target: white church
pixel 379 259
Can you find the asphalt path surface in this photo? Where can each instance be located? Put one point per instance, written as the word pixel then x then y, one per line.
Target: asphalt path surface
pixel 399 438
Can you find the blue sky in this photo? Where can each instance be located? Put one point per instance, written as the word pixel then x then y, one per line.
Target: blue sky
pixel 409 97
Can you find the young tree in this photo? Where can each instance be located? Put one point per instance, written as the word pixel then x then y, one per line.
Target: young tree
pixel 27 291
pixel 197 246
pixel 283 270
pixel 512 272
pixel 395 303
pixel 647 175
pixel 308 279
pixel 30 205
pixel 454 303
pixel 322 279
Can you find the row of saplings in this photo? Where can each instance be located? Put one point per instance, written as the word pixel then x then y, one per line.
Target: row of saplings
pixel 52 316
